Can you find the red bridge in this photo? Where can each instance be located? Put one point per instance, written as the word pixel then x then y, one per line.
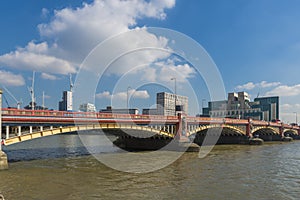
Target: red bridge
pixel 22 125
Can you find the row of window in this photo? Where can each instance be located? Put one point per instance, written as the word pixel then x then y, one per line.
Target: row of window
pixel 232 112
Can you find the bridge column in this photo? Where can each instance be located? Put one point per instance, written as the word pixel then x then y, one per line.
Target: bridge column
pixel 281 130
pixel 30 129
pixel 181 127
pixel 19 130
pixel 7 132
pixel 249 128
pixel 3 156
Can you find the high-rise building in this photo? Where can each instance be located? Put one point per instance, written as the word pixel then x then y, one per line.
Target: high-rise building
pixel 166 104
pixel 269 106
pixel 67 102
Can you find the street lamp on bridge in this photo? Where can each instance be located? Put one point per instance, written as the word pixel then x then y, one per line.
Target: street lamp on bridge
pixel 296 115
pixel 174 79
pixel 127 101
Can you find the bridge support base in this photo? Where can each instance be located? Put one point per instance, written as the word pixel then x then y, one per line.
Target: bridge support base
pixel 256 141
pixel 287 139
pixel 3 161
pixel 184 144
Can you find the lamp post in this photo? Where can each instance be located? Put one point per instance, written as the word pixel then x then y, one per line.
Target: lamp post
pixel 174 79
pixel 127 101
pixel 203 100
pixel 296 115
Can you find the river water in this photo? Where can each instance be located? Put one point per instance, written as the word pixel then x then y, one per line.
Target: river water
pixel 59 167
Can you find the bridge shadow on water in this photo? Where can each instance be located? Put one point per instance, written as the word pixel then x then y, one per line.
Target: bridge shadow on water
pixel 59 146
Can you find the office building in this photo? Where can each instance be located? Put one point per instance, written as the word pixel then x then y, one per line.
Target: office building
pixel 166 105
pixel 239 106
pixel 67 102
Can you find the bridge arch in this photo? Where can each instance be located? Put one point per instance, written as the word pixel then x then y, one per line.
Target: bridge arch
pixel 263 130
pixel 232 129
pixel 68 129
pixel 290 132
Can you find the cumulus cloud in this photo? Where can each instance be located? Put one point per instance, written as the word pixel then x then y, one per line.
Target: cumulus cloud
pixel 289 107
pixel 48 76
pixel 161 72
pixel 251 85
pixel 285 91
pixel 138 94
pixel 10 79
pixel 35 57
pixel 72 33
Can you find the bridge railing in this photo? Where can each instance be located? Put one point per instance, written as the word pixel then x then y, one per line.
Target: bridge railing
pixel 217 120
pixel 98 115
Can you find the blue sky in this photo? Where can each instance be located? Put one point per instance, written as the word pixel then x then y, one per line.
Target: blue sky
pixel 255 45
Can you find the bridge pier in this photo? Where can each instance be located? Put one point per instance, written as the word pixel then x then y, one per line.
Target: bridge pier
pixel 3 156
pixel 7 132
pixel 19 130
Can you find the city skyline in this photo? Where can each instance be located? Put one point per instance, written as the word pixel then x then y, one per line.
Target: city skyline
pixel 255 46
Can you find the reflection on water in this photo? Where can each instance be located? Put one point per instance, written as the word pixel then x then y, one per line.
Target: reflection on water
pixel 59 167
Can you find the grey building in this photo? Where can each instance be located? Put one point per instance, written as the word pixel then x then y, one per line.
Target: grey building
pixel 239 106
pixel 269 106
pixel 67 102
pixel 166 104
pixel 109 109
pixel 149 111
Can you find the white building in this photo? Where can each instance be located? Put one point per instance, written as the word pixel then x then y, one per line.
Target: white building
pixel 166 104
pixel 87 107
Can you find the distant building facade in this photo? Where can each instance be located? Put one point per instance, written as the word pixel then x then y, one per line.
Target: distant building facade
pixel 36 107
pixel 166 105
pixel 149 111
pixel 87 107
pixel 239 106
pixel 269 106
pixel 109 109
pixel 67 102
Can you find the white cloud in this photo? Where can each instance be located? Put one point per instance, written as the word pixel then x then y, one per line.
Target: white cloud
pixel 169 69
pixel 35 57
pixel 289 107
pixel 247 86
pixel 138 94
pixel 251 85
pixel 44 13
pixel 285 91
pixel 265 84
pixel 48 76
pixel 72 33
pixel 10 79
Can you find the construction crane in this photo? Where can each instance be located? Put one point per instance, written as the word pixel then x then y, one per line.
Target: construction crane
pixel 19 103
pixel 31 91
pixel 71 83
pixel 6 100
